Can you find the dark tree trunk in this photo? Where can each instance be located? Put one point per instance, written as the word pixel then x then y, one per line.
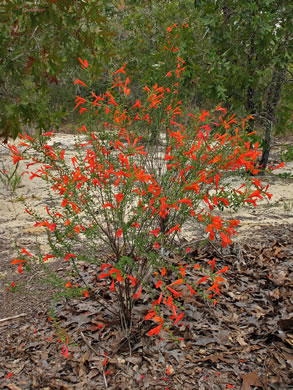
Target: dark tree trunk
pixel 273 98
pixel 266 145
pixel 227 12
pixel 250 103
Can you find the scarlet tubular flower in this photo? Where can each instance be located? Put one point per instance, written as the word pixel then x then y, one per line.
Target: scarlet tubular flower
pixel 103 275
pixel 174 292
pixel 185 200
pixel 203 279
pixel 16 159
pixel 155 331
pixel 68 256
pixel 77 81
pixel 155 232
pixel 132 280
pixel 103 266
pixel 119 198
pixel 159 284
pixel 222 270
pixel 13 149
pixel 105 361
pixel 268 195
pixel 23 250
pixel 16 156
pixel 111 99
pixel 20 263
pixel 175 228
pixel 192 291
pixel 178 281
pixel 137 105
pixel 150 315
pixel 203 116
pixel 51 227
pixel 225 239
pixel 119 233
pixel 181 315
pixel 79 100
pixel 212 263
pixel 84 63
pixel 112 287
pixel 183 269
pixel 121 70
pixel 137 295
pixel 219 108
pixel 49 134
pixel 214 287
pixel 281 165
pixel 65 351
pixel 48 257
pixel 108 205
pixel 9 375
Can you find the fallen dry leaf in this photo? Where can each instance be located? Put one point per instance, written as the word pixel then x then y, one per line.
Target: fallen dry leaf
pixel 251 379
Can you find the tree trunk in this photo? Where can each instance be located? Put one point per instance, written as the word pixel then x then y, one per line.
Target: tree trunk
pixel 250 103
pixel 273 98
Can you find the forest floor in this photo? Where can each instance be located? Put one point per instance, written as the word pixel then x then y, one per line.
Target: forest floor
pixel 244 342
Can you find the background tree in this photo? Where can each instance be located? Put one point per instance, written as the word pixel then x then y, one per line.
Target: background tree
pixel 40 42
pixel 238 54
pixel 247 58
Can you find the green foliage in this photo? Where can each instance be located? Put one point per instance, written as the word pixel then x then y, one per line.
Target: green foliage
pixel 11 179
pixel 285 175
pixel 287 153
pixel 237 54
pixel 39 43
pixel 285 108
pixel 248 48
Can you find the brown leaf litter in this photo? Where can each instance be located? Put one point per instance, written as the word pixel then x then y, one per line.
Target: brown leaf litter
pixel 245 342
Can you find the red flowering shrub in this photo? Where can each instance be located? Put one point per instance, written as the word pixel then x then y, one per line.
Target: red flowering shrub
pixel 135 178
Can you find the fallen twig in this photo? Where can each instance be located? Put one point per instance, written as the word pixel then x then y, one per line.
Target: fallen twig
pixel 12 318
pixel 97 353
pixel 88 344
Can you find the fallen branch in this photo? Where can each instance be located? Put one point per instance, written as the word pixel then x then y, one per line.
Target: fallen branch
pixel 12 318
